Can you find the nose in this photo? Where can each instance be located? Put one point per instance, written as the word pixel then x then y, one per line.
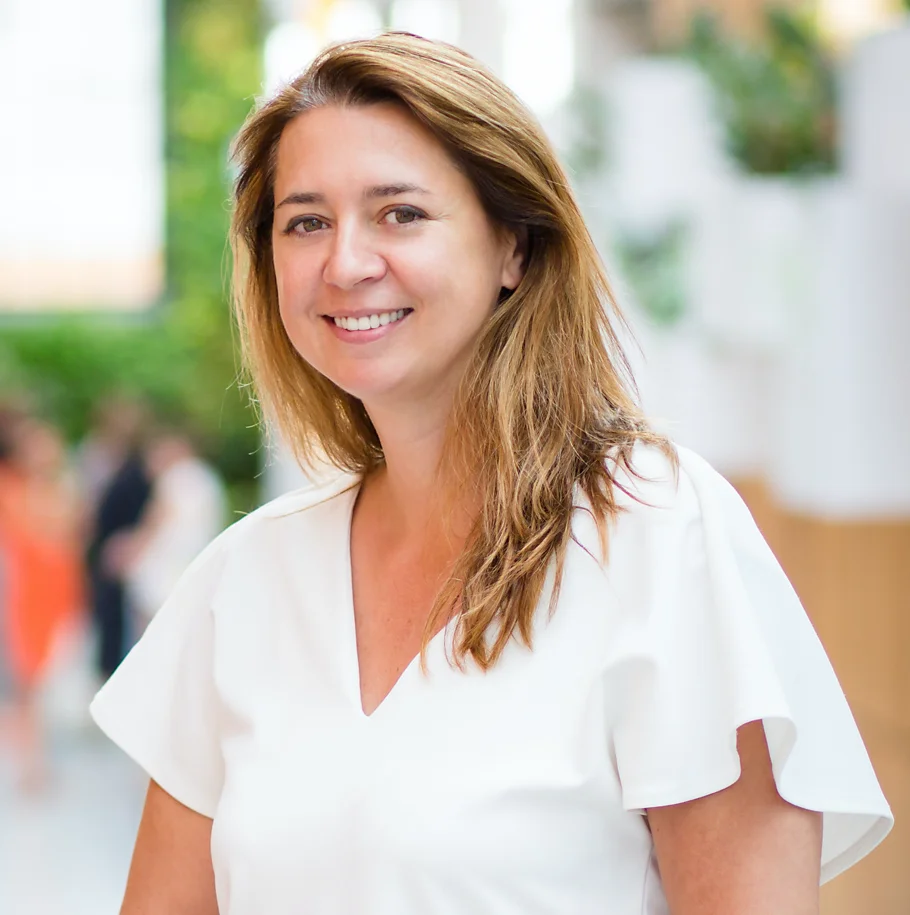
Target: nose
pixel 352 259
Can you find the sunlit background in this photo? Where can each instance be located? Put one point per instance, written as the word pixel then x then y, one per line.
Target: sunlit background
pixel 745 172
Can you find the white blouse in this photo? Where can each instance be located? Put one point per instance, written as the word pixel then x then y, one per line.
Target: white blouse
pixel 515 792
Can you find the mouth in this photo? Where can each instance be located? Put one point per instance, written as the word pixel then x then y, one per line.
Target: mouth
pixel 361 323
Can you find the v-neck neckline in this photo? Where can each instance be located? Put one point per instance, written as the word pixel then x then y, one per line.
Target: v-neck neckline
pixel 352 653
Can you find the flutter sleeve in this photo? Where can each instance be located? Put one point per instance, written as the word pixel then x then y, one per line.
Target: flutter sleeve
pixel 160 706
pixel 717 638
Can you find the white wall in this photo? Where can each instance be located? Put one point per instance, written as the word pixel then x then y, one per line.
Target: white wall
pixel 81 160
pixel 791 362
pixel 849 374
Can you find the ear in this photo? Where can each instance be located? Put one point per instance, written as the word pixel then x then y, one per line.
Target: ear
pixel 516 255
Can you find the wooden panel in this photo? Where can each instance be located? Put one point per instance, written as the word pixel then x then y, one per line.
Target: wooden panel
pixel 880 883
pixel 854 580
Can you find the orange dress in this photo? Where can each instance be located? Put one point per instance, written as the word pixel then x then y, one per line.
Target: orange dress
pixel 41 574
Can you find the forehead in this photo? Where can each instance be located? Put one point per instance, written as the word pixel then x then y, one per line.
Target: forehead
pixel 363 144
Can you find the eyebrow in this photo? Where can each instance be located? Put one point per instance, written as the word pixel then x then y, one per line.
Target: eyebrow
pixel 303 198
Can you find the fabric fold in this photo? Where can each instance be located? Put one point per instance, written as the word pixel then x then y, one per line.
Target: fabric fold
pixel 718 638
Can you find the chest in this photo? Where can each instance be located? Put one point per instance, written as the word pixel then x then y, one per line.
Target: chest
pixel 495 784
pixel 393 593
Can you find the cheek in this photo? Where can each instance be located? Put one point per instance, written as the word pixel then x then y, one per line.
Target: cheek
pixel 457 275
pixel 296 300
pixel 298 295
pixel 484 257
pixel 295 276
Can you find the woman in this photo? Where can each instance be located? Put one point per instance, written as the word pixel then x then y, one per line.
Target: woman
pixel 519 649
pixel 42 577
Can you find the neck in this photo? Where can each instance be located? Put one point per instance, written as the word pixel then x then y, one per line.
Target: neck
pixel 412 485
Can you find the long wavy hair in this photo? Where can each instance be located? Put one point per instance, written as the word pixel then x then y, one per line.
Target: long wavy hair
pixel 547 405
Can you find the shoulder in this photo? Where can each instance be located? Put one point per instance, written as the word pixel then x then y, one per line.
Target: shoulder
pixel 293 503
pixel 666 500
pixel 660 486
pixel 250 531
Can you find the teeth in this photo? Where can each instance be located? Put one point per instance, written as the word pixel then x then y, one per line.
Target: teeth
pixel 371 321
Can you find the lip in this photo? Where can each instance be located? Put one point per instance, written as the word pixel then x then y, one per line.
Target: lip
pixel 363 336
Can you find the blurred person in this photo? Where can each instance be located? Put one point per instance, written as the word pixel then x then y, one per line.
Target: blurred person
pixel 43 583
pixel 113 466
pixel 8 418
pixel 521 653
pixel 186 511
pixel 117 427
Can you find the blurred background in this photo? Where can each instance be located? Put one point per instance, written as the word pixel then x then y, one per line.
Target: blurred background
pixel 745 171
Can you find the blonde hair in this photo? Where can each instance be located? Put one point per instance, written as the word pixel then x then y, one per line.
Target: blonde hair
pixel 548 402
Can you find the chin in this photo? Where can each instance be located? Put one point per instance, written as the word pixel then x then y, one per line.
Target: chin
pixel 369 385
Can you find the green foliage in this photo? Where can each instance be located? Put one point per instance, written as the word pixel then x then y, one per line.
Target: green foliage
pixel 213 53
pixel 587 130
pixel 654 266
pixel 179 355
pixel 62 367
pixel 777 99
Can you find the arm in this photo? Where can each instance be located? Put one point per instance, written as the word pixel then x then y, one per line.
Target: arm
pixel 743 850
pixel 125 549
pixel 171 872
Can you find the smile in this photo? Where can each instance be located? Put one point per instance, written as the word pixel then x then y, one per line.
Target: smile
pixel 370 322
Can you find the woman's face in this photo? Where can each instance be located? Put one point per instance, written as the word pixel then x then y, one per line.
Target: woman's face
pixel 386 263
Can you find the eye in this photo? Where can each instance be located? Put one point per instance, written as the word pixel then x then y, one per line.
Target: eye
pixel 403 215
pixel 305 225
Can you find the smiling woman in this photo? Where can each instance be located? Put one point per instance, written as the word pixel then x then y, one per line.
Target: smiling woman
pixel 390 226
pixel 518 649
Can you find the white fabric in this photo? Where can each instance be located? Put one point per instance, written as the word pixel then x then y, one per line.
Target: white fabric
pixel 507 793
pixel 191 500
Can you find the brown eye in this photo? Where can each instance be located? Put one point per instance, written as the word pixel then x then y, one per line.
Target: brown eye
pixel 305 225
pixel 403 216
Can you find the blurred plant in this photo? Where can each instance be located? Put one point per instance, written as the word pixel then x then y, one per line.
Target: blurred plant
pixel 179 355
pixel 587 129
pixel 653 264
pixel 62 367
pixel 777 100
pixel 213 71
